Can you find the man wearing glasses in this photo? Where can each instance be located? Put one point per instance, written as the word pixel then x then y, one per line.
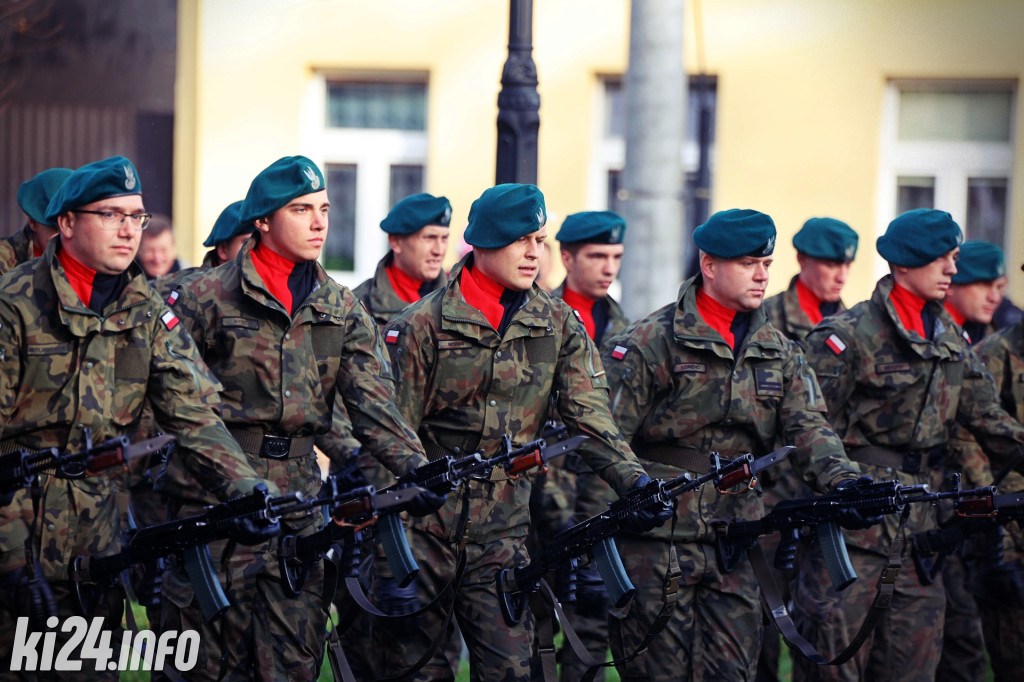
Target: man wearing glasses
pixel 84 343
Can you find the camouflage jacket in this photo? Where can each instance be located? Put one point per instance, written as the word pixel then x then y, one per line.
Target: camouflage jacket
pixel 784 311
pixel 15 249
pixel 463 388
pixel 379 297
pixel 889 388
pixel 617 320
pixel 63 367
pixel 176 280
pixel 281 374
pixel 679 390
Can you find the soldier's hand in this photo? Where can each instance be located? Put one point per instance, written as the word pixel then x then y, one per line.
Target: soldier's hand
pixel 247 531
pixel 425 503
pixel 643 520
pixel 851 518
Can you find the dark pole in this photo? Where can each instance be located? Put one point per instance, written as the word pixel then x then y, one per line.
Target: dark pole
pixel 518 101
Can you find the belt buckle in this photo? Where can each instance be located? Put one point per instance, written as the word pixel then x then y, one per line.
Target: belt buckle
pixel 911 462
pixel 275 447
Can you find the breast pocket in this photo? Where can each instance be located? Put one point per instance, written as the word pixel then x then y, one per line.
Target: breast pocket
pixel 131 373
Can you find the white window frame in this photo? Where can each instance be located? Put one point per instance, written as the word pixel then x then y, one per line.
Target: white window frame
pixel 950 163
pixel 372 152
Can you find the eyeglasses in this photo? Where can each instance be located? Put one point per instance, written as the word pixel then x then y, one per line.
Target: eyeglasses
pixel 115 219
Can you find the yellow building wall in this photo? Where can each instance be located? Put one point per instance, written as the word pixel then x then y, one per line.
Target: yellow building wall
pixel 798 123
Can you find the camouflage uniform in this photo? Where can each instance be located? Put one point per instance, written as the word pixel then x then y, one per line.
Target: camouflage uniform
pixel 570 493
pixel 15 249
pixel 378 296
pixel 281 374
pixel 63 367
pixel 1000 605
pixel 890 392
pixel 464 388
pixel 678 393
pixel 784 311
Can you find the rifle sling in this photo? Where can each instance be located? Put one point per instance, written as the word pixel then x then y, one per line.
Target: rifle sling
pixel 776 607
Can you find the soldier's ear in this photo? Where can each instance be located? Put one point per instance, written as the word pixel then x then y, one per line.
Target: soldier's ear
pixel 262 224
pixel 65 223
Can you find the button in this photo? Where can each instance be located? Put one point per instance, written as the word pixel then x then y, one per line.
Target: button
pixel 90 365
pixel 888 470
pixel 456 449
pixel 287 394
pixel 493 403
pixel 287 336
pixel 51 527
pixel 121 321
pixel 498 354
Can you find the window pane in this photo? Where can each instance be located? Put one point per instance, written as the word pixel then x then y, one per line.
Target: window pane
pixel 405 180
pixel 914 192
pixel 955 116
pixel 340 246
pixel 395 106
pixel 700 102
pixel 986 209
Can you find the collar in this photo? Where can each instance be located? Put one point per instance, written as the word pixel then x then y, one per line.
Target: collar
pixel 809 302
pixel 908 307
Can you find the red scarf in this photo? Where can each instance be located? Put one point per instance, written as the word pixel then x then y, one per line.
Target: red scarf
pixel 406 287
pixel 36 251
pixel 717 316
pixel 908 307
pixel 484 294
pixel 79 275
pixel 809 303
pixel 957 316
pixel 583 305
pixel 274 269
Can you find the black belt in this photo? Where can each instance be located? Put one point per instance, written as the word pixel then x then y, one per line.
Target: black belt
pixel 273 447
pixel 909 462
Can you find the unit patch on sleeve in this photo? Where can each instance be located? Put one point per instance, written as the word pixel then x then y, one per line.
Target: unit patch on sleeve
pixel 169 319
pixel 619 352
pixel 391 336
pixel 836 344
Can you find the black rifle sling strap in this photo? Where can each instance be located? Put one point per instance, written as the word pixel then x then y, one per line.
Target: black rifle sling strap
pixel 776 607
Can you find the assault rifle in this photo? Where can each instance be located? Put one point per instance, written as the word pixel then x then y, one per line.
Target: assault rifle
pixel 350 511
pixel 594 536
pixel 19 469
pixel 446 473
pixel 186 537
pixel 973 516
pixel 825 513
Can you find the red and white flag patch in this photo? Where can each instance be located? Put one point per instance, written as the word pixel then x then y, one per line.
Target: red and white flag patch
pixel 173 297
pixel 169 319
pixel 619 352
pixel 836 344
pixel 391 336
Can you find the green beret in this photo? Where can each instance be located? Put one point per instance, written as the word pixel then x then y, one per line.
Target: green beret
pixel 228 226
pixel 979 262
pixel 279 183
pixel 827 239
pixel 918 237
pixel 736 232
pixel 503 214
pixel 34 195
pixel 415 212
pixel 593 227
pixel 112 177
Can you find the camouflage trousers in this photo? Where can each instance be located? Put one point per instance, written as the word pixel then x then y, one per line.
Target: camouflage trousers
pixel 963 644
pixel 1004 638
pixel 592 628
pixel 497 651
pixel 265 634
pixel 110 608
pixel 714 632
pixel 906 643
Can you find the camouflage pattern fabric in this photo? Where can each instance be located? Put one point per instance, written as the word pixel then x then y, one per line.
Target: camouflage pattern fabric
pixel 617 320
pixel 463 387
pixel 379 297
pixel 888 388
pixel 282 375
pixel 675 382
pixel 15 249
pixel 1002 618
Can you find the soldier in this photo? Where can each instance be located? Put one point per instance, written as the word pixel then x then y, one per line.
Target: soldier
pixel 973 297
pixel 997 580
pixel 417 229
pixel 706 373
pixel 33 197
pixel 476 361
pixel 825 249
pixel 84 342
pixel 896 374
pixel 977 288
pixel 284 340
pixel 158 253
pixel 591 247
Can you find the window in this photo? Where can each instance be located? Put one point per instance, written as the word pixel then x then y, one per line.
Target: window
pixel 369 131
pixel 949 145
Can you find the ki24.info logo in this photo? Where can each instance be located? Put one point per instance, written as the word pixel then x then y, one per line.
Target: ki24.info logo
pixel 35 651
